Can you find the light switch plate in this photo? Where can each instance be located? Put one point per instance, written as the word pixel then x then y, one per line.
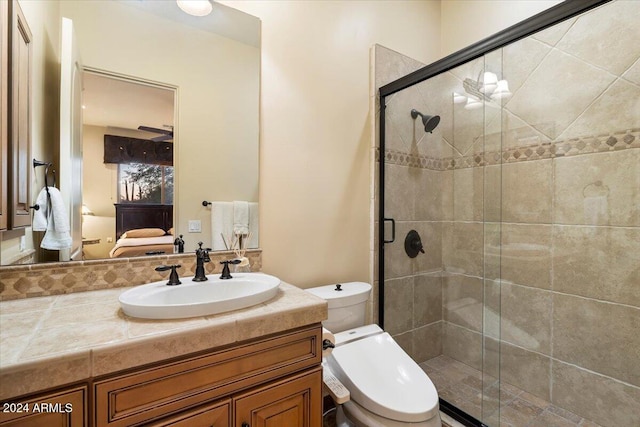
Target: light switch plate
pixel 195 226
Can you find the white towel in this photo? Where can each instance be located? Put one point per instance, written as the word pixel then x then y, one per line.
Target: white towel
pixel 253 226
pixel 240 218
pixel 40 216
pixel 52 218
pixel 221 223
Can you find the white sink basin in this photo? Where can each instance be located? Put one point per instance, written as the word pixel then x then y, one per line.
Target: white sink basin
pixel 158 301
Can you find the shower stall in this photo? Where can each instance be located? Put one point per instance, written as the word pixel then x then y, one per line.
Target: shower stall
pixel 524 308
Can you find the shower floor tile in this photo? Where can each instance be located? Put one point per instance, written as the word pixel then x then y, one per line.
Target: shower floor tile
pixel 461 385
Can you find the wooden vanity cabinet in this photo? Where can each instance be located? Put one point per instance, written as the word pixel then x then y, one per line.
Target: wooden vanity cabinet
pixel 274 381
pixel 63 408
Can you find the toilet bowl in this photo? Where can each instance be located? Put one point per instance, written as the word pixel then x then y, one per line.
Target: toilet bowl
pixel 387 387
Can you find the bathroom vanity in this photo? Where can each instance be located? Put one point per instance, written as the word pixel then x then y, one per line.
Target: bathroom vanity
pixel 254 367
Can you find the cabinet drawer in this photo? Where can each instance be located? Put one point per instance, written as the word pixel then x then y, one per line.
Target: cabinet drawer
pixel 156 392
pixel 215 415
pixel 65 408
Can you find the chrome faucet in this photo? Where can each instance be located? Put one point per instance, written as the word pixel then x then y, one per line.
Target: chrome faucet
pixel 202 256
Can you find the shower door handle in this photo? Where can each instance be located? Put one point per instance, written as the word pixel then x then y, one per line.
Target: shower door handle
pixel 393 230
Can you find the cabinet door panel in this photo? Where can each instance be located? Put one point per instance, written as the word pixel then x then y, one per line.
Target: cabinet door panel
pixel 20 135
pixel 293 402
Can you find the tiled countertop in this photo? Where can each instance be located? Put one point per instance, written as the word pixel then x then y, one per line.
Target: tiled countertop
pixel 50 341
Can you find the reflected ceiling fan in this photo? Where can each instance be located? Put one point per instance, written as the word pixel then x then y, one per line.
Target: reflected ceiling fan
pixel 165 134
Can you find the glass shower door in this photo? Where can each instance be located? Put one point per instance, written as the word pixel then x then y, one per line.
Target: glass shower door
pixel 443 306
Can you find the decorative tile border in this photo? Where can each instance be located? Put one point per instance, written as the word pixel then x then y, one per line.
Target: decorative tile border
pixel 34 280
pixel 546 150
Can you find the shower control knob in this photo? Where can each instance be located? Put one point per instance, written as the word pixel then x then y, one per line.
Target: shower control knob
pixel 413 244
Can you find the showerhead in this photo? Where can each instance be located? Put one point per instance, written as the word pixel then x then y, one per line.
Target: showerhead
pixel 429 122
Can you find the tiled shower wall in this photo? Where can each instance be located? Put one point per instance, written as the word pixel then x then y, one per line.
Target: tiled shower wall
pixel 530 214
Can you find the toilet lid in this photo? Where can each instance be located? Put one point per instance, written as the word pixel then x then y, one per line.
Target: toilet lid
pixel 382 378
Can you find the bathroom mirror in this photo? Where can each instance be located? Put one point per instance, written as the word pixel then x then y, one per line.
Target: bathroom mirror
pixel 212 63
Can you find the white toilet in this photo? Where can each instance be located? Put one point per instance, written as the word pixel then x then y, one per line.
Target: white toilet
pixel 388 389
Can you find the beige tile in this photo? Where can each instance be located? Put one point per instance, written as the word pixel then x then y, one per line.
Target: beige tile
pixel 553 34
pixel 598 189
pixel 398 305
pixel 63 339
pixel 492 250
pixel 598 336
pixel 492 200
pixel 48 372
pixel 526 317
pixel 606 37
pixel 446 180
pixel 468 186
pixel 633 73
pixel 431 236
pixel 403 132
pixel 462 248
pixel 391 65
pixel 428 196
pixel 142 327
pixel 78 315
pixel 26 305
pixel 437 93
pixel 550 99
pixel 526 370
pixel 462 344
pixel 526 192
pixel 597 262
pixel 521 58
pixel 405 341
pixel 463 301
pixel 614 111
pixel 525 254
pixel 427 342
pixel 519 412
pixel 601 399
pixel 427 299
pixel 397 263
pixel 19 324
pixel 401 183
pixel 549 419
pixel 568 415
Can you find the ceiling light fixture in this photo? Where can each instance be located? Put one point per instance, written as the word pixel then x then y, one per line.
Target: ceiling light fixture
pixel 195 7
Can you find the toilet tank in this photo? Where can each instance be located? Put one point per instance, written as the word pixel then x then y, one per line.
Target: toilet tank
pixel 347 304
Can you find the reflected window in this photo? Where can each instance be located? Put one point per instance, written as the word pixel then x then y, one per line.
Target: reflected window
pixel 145 183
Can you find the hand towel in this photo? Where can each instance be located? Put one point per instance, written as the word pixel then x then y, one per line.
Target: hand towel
pixel 221 223
pixel 40 216
pixel 253 226
pixel 240 218
pixel 54 220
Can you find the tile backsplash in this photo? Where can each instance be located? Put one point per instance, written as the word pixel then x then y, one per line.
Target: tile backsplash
pixel 36 280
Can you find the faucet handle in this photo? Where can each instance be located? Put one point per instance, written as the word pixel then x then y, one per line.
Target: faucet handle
pixel 226 274
pixel 173 277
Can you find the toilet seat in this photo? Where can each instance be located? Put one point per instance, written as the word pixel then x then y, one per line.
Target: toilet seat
pixel 381 377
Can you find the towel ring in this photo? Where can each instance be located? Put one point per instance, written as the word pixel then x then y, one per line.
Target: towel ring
pixel 47 165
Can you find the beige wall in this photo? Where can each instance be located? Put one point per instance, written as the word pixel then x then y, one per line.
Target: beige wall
pixel 465 22
pixel 315 132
